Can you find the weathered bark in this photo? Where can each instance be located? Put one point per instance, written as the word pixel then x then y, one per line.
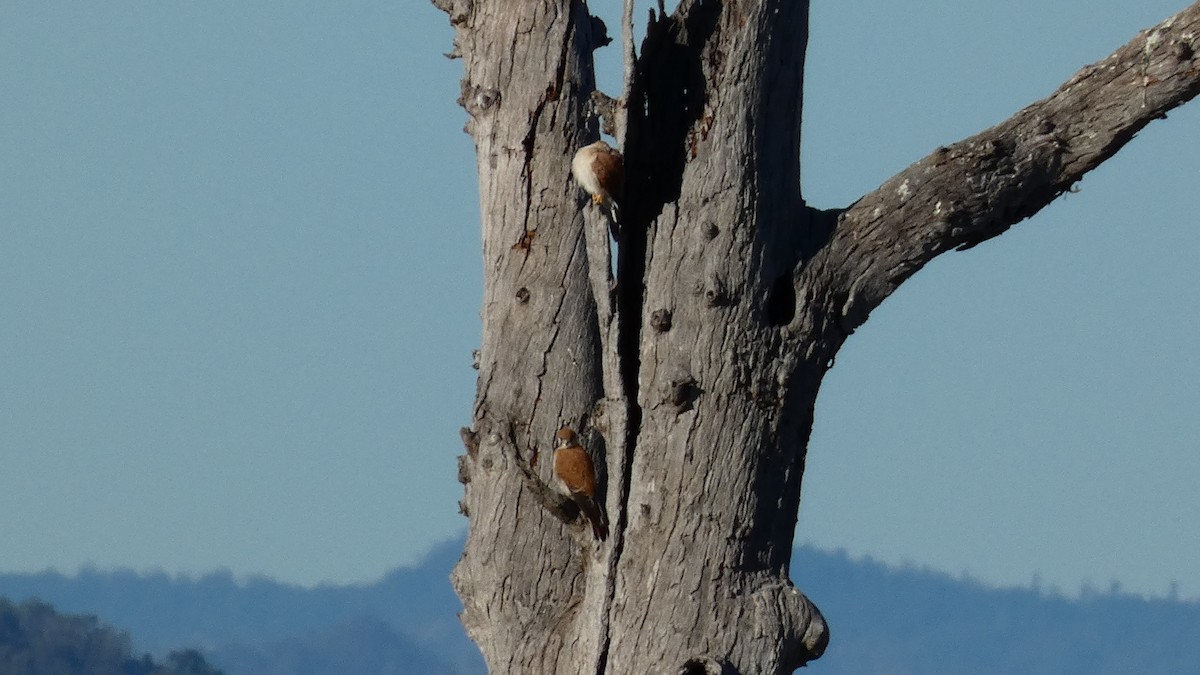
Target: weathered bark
pixel 693 378
pixel 973 190
pixel 528 601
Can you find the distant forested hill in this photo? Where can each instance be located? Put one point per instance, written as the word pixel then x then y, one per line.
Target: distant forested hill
pixel 407 621
pixel 883 620
pixel 37 640
pixel 919 622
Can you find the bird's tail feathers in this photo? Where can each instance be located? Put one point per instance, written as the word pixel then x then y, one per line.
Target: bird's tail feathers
pixel 595 517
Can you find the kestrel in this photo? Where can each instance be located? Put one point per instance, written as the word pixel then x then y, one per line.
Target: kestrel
pixel 600 170
pixel 577 479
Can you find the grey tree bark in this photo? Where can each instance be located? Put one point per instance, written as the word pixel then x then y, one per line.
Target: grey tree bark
pixel 692 374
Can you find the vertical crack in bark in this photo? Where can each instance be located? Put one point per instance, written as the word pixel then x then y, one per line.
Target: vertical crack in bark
pixel 528 144
pixel 555 331
pixel 630 278
pixel 552 93
pixel 629 291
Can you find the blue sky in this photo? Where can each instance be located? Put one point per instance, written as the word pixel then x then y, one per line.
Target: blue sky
pixel 239 272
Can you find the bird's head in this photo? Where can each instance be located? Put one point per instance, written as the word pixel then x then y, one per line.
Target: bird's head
pixel 565 437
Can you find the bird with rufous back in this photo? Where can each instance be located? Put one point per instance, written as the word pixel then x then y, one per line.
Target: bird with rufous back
pixel 576 477
pixel 600 170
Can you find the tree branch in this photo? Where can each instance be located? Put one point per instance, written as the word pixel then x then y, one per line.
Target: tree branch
pixel 628 66
pixel 969 192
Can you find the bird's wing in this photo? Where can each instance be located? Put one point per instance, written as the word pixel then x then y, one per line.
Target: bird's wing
pixel 574 467
pixel 609 168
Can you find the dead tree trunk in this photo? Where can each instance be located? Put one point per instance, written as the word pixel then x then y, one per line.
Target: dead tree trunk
pixel 692 376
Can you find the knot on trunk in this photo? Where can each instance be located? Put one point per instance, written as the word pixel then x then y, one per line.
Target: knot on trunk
pixel 477 99
pixel 458 10
pixel 702 665
pixel 783 615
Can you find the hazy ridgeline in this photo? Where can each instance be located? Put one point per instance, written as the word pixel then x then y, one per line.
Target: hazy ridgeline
pixel 883 619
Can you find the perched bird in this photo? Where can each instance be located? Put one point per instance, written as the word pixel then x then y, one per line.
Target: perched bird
pixel 600 170
pixel 577 479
